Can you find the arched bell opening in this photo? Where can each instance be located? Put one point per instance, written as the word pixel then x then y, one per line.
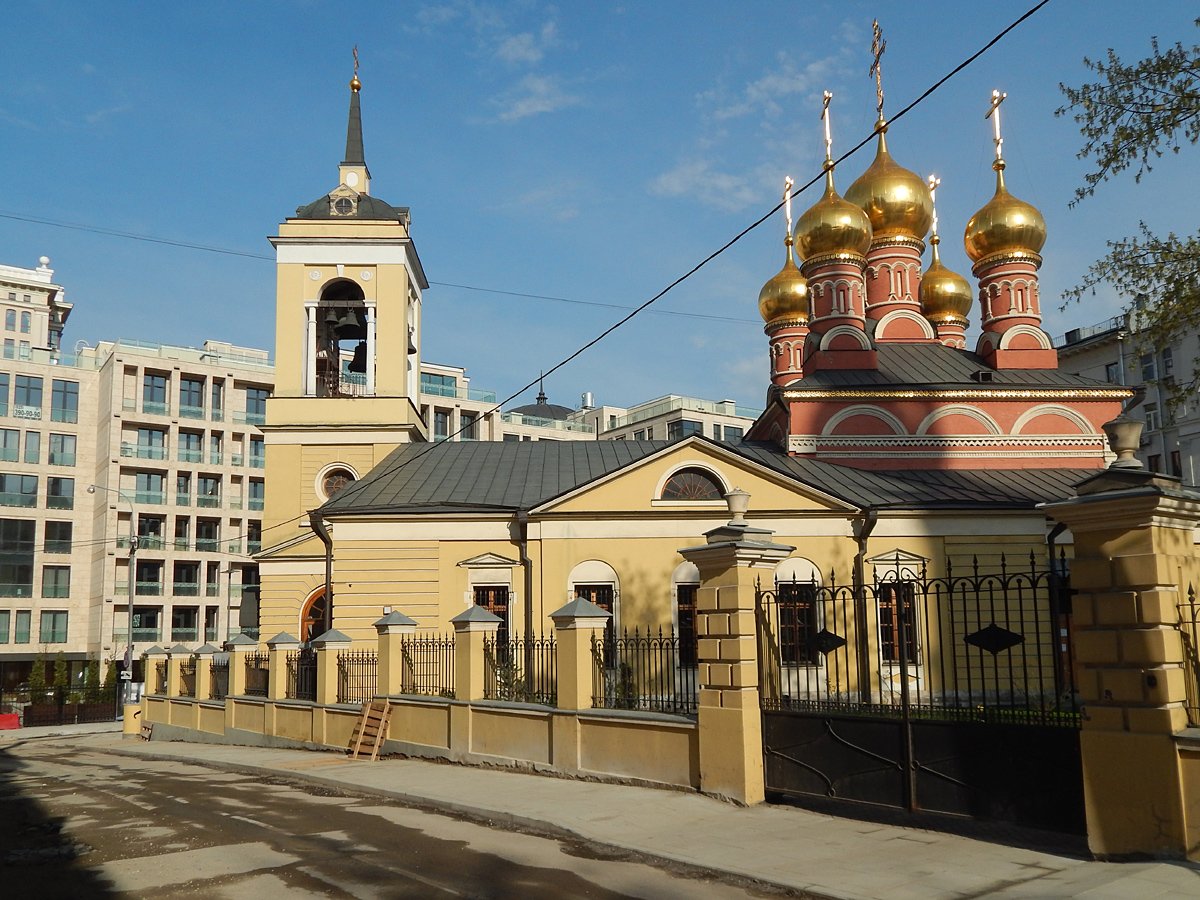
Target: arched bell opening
pixel 344 338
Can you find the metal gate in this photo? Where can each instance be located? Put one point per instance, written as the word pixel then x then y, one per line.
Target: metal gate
pixel 63 706
pixel 948 694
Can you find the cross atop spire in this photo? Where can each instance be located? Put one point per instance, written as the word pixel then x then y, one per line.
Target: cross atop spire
pixel 993 113
pixel 878 45
pixel 825 98
pixel 788 184
pixel 354 139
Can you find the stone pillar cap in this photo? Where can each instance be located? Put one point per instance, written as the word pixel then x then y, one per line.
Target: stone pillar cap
pixel 283 639
pixel 476 618
pixel 240 642
pixel 155 651
pixel 206 650
pixel 179 649
pixel 331 638
pixel 395 617
pixel 580 608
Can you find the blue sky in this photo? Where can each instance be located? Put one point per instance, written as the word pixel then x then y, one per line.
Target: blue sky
pixel 585 151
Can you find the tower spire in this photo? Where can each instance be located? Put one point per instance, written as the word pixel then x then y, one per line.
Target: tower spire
pixel 353 169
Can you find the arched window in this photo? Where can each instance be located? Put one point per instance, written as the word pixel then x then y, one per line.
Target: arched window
pixel 314 616
pixel 693 484
pixel 686 581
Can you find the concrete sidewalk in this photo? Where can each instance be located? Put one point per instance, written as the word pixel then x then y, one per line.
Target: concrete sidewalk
pixel 780 845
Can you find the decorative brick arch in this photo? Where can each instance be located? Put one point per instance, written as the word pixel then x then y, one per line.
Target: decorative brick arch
pixel 874 412
pixel 904 324
pixel 835 337
pixel 969 412
pixel 1057 410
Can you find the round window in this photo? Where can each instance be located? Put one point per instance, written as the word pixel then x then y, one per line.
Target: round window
pixel 335 480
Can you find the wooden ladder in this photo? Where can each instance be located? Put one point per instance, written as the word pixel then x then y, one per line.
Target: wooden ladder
pixel 369 732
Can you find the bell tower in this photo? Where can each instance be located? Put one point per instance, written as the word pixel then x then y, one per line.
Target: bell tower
pixel 347 353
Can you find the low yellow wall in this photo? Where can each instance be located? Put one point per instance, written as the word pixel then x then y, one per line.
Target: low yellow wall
pixel 623 746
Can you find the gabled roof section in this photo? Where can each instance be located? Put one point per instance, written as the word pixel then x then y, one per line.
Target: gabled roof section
pixel 368 208
pixel 470 478
pixel 934 366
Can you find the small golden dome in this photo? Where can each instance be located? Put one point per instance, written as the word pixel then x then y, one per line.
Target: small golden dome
pixel 945 296
pixel 785 295
pixel 832 225
pixel 1004 225
pixel 896 200
pixel 355 84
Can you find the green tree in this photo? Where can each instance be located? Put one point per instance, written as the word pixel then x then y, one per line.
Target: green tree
pixel 91 680
pixel 1130 117
pixel 37 679
pixel 61 675
pixel 110 672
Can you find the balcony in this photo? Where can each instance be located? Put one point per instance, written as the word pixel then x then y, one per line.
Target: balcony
pixel 206 501
pixel 210 635
pixel 15 589
pixel 217 415
pixel 144 635
pixel 184 634
pixel 55 502
pixel 181 543
pixel 145 542
pixel 208 545
pixel 258 462
pixel 191 412
pixel 70 416
pixel 156 498
pixel 61 459
pixel 234 547
pixel 456 392
pixel 154 408
pixel 121 587
pixel 55 591
pixel 183 499
pixel 148 588
pixel 143 451
pixel 186 589
pixel 235 459
pixel 249 418
pixel 235 503
pixel 255 503
pixel 8 498
pixel 212 589
pixel 253 546
pixel 189 456
pixel 215 458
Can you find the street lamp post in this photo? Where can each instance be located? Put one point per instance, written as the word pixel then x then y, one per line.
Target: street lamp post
pixel 127 674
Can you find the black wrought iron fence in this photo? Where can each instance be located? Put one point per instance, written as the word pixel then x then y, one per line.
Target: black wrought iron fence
pixel 160 676
pixel 301 676
pixel 187 677
pixel 357 676
pixel 980 646
pixel 1189 628
pixel 218 682
pixel 521 670
pixel 62 705
pixel 427 666
pixel 643 670
pixel 258 674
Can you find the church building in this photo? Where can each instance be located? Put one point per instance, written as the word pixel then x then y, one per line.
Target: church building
pixel 885 441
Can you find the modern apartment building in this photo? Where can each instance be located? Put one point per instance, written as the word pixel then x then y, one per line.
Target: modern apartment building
pixel 1110 350
pixel 103 444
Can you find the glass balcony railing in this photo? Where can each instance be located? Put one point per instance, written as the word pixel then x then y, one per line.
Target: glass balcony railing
pixel 249 418
pixel 234 547
pixel 15 589
pixel 207 545
pixel 258 462
pixel 183 499
pixel 255 503
pixel 235 503
pixel 54 502
pixel 61 459
pixel 206 501
pixel 186 589
pixel 144 451
pixel 184 633
pixel 152 497
pixel 147 542
pixel 235 459
pixel 191 412
pixel 253 546
pixel 70 416
pixel 148 588
pixel 181 543
pixel 121 587
pixel 215 458
pixel 212 589
pixel 55 591
pixel 154 408
pixel 190 456
pixel 8 498
pixel 217 415
pixel 146 635
pixel 9 454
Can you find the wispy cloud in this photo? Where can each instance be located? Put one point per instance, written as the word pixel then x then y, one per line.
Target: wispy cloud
pixel 698 178
pixel 534 95
pixel 527 47
pixel 99 115
pixel 9 118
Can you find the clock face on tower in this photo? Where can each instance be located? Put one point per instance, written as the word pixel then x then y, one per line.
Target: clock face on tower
pixel 343 206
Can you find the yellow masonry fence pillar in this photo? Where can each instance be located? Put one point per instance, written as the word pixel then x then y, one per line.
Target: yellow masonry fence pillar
pixel 150 660
pixel 730 718
pixel 576 626
pixel 204 658
pixel 393 629
pixel 237 647
pixel 1135 557
pixel 178 654
pixel 278 649
pixel 328 646
pixel 471 628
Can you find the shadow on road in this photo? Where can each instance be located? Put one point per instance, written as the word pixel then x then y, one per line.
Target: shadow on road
pixel 37 857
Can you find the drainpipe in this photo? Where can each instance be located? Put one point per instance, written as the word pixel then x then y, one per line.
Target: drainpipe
pixel 319 529
pixel 527 569
pixel 862 531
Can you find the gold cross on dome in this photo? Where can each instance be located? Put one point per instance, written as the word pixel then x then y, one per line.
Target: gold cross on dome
pixel 826 97
pixel 788 184
pixel 878 45
pixel 933 181
pixel 993 113
pixel 355 52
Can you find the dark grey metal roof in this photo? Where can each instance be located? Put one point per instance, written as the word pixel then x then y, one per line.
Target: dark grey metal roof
pixel 501 477
pixel 937 366
pixel 354 141
pixel 368 208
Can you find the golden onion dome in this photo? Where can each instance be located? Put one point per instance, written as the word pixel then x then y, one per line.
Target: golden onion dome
pixel 786 295
pixel 945 296
pixel 1004 225
pixel 832 226
pixel 896 200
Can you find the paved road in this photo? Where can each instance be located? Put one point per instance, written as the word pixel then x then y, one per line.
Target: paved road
pixel 83 823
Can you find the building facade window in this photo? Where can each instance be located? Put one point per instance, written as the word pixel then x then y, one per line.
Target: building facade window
pixel 10 320
pixel 256 405
pixel 26 322
pixel 258 453
pixel 208 491
pixel 4 385
pixel 1153 420
pixel 56 582
pixel 683 428
pixel 216 403
pixel 16 557
pixel 494 598
pixel 18 490
pixel 796 603
pixel 191 446
pixel 54 626
pixel 148 487
pixel 62 449
pixel 1146 361
pixel 692 484
pixel 439 385
pixel 10 444
pixel 1154 463
pixel 1176 464
pixel 191 397
pixel 33 447
pixel 22 623
pixel 441 424
pixel 897 614
pixel 58 537
pixel 470 426
pixel 256 493
pixel 154 393
pixel 1112 373
pixel 5 625
pixel 734 433
pixel 60 493
pixel 64 400
pixel 27 397
pixel 183 489
pixel 685 613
